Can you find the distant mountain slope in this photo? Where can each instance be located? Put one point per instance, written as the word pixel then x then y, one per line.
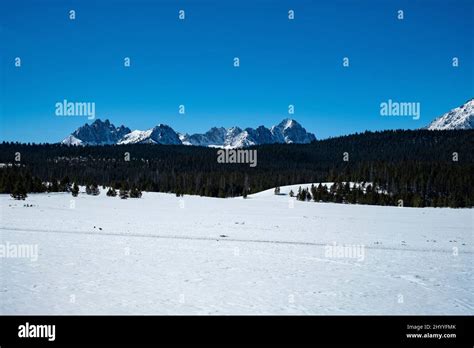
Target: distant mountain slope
pixel 459 118
pixel 161 134
pixel 104 133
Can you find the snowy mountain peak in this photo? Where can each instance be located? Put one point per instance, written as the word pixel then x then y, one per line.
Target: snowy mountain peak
pixel 288 123
pixel 461 117
pixel 289 131
pixel 160 134
pixel 97 133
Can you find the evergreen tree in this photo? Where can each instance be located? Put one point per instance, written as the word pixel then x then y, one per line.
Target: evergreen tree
pixel 64 184
pixel 111 192
pixel 75 190
pixel 95 190
pixel 123 193
pixel 92 189
pixel 135 193
pixel 53 187
pixel 19 191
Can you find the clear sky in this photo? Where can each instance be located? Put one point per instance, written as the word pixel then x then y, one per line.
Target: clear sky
pixel 190 62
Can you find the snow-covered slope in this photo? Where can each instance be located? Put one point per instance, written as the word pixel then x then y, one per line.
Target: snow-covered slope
pixel 459 118
pixel 267 254
pixel 72 140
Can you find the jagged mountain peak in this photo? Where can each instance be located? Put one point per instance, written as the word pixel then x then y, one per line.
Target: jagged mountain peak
pixel 99 122
pixel 461 117
pixel 288 123
pixel 289 131
pixel 160 134
pixel 97 133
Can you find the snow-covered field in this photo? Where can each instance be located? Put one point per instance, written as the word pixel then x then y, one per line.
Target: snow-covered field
pixel 263 255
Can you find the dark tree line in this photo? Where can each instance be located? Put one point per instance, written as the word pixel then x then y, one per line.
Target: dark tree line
pixel 364 193
pixel 422 168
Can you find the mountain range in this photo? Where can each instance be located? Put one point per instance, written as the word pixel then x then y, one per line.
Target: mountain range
pixel 105 133
pixel 287 131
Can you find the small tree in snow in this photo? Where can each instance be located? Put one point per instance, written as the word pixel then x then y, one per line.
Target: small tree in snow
pixel 123 193
pixel 19 191
pixel 135 193
pixel 75 190
pixel 95 190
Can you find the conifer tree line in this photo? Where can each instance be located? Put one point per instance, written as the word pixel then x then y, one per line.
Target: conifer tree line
pixel 421 168
pixel 366 193
pixel 19 184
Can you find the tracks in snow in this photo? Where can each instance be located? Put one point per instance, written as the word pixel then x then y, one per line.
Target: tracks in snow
pixel 219 239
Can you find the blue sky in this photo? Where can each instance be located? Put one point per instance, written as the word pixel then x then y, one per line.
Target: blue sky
pixel 190 62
